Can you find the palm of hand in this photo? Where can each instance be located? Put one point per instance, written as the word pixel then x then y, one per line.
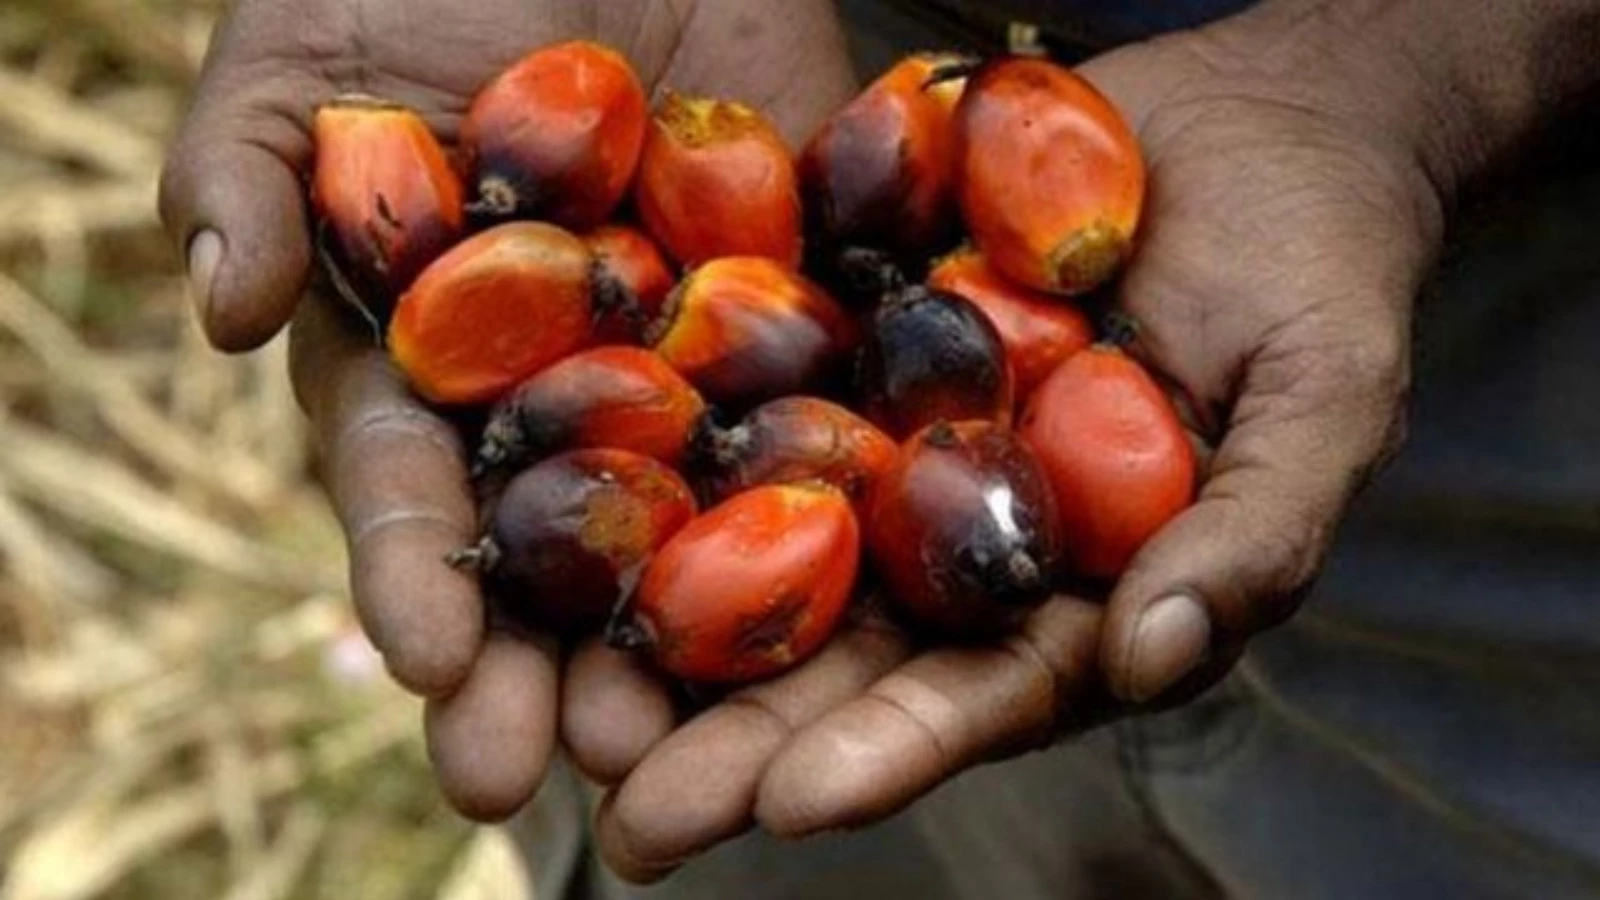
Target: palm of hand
pixel 1281 252
pixel 1270 287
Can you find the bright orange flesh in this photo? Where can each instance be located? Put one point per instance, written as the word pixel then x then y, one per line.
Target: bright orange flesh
pixel 494 310
pixel 1050 177
pixel 384 188
pixel 1116 454
pixel 752 587
pixel 716 179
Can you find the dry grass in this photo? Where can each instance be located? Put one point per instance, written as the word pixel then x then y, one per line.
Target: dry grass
pixel 188 708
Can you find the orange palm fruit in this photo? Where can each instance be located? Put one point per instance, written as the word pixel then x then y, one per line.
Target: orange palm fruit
pixel 636 263
pixel 793 439
pixel 933 356
pixel 1050 178
pixel 1116 454
pixel 963 530
pixel 492 311
pixel 716 179
pixel 384 190
pixel 569 537
pixel 746 329
pixel 879 173
pixel 556 136
pixel 752 587
pixel 621 397
pixel 1039 330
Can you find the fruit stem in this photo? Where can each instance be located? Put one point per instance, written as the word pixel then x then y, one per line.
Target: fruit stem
pixel 871 270
pixel 652 333
pixel 342 285
pixel 613 297
pixel 1121 329
pixel 965 67
pixel 497 198
pixel 624 632
pixel 500 438
pixel 483 556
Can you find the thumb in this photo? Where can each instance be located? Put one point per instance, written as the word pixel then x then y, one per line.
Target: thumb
pixel 1316 415
pixel 232 198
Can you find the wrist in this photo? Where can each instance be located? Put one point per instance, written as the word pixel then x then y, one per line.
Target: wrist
pixel 1458 83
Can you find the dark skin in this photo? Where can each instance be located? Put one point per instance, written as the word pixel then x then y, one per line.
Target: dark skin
pixel 1300 164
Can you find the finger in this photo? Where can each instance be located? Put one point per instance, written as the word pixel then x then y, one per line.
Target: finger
pixel 698 787
pixel 398 480
pixel 231 196
pixel 491 742
pixel 930 719
pixel 1310 426
pixel 613 710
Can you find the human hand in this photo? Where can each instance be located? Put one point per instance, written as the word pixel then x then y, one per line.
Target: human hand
pixel 232 196
pixel 1289 227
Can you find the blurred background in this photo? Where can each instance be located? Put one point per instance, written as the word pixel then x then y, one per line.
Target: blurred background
pixel 186 706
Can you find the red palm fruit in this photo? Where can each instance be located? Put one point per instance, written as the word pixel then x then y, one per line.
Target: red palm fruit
pixel 879 173
pixel 636 263
pixel 570 536
pixel 716 179
pixel 556 136
pixel 492 311
pixel 746 329
pixel 963 530
pixel 1038 330
pixel 933 356
pixel 794 439
pixel 1049 175
pixel 625 398
pixel 1116 454
pixel 752 587
pixel 384 189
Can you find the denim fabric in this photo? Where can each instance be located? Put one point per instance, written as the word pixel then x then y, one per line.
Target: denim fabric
pixel 1427 727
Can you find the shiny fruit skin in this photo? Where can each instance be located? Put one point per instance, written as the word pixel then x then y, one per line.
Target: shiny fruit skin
pixel 570 536
pixel 752 587
pixel 1039 330
pixel 746 329
pixel 624 398
pixel 879 173
pixel 716 179
pixel 382 185
pixel 1050 178
pixel 636 263
pixel 492 311
pixel 796 439
pixel 1116 453
pixel 556 137
pixel 963 530
pixel 933 356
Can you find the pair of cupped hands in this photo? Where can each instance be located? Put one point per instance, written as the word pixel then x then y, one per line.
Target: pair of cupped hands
pixel 1288 228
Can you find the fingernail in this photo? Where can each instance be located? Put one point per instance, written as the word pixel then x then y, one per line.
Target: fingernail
pixel 205 254
pixel 1169 641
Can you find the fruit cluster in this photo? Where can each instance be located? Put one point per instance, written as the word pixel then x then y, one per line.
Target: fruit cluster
pixel 727 386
